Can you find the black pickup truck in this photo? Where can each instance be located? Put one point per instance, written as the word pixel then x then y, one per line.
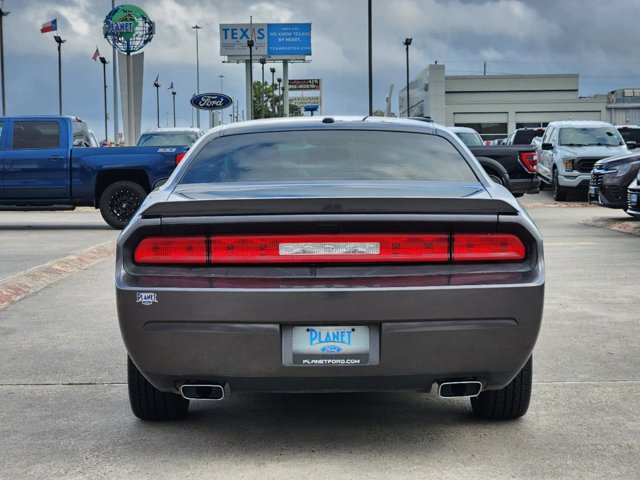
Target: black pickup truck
pixel 513 166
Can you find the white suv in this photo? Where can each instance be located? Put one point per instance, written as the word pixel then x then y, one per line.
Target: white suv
pixel 569 149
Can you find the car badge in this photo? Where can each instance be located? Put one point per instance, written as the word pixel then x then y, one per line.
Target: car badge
pixel 146 298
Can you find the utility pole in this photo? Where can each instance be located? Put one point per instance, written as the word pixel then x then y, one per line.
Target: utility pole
pixel 59 40
pixel 262 102
pixel 273 86
pixel 3 14
pixel 157 85
pixel 250 44
pixel 114 68
pixel 104 62
pixel 407 42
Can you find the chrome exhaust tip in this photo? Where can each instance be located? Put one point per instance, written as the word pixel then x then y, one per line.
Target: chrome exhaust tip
pixel 470 388
pixel 202 391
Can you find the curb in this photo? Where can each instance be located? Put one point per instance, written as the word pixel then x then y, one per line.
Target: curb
pixel 23 284
pixel 630 226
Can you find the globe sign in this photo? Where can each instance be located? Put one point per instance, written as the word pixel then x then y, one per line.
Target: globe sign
pixel 128 28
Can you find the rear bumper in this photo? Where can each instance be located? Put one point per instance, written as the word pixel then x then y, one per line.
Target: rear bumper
pixel 234 336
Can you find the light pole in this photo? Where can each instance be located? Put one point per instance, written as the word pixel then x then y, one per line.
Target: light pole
pixel 273 99
pixel 4 98
pixel 221 91
pixel 250 44
pixel 262 102
pixel 59 40
pixel 407 42
pixel 197 27
pixel 156 84
pixel 173 96
pixel 104 62
pixel 370 64
pixel 279 94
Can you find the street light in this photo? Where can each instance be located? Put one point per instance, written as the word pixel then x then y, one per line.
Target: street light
pixel 4 98
pixel 279 95
pixel 197 27
pixel 59 41
pixel 156 84
pixel 173 96
pixel 273 99
pixel 407 42
pixel 104 62
pixel 250 44
pixel 262 102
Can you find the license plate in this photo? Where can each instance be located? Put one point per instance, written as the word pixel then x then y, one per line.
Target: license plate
pixel 633 198
pixel 330 345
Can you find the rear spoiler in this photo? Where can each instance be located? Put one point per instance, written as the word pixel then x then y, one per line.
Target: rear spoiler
pixel 314 205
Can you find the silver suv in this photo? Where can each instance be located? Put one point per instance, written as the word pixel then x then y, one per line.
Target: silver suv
pixel 569 149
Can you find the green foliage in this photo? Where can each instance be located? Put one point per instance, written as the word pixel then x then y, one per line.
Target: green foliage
pixel 267 103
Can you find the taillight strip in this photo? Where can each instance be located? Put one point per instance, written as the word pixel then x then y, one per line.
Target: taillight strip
pixel 325 248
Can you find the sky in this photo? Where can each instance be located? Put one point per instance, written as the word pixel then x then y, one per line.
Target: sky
pixel 593 38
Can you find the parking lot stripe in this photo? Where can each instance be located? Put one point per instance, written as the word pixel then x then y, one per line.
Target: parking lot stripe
pixel 25 283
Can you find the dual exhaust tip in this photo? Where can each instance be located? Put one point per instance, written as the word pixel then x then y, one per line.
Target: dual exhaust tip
pixel 470 388
pixel 202 391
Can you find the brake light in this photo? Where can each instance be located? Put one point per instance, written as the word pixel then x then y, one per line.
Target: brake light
pixel 529 160
pixel 473 247
pixel 330 248
pixel 172 250
pixel 179 157
pixel 324 248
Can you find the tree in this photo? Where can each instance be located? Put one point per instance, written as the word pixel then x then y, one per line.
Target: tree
pixel 268 104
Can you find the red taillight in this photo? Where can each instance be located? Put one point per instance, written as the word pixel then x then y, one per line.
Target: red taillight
pixel 172 250
pixel 529 160
pixel 179 157
pixel 473 247
pixel 329 248
pixel 347 248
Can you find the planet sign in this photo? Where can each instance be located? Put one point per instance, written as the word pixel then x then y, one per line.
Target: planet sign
pixel 128 28
pixel 211 101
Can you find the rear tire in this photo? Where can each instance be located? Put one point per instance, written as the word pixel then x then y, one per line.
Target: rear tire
pixel 149 403
pixel 559 194
pixel 510 402
pixel 119 202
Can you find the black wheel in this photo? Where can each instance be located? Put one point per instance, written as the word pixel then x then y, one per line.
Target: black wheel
pixel 119 202
pixel 559 194
pixel 149 403
pixel 510 402
pixel 497 178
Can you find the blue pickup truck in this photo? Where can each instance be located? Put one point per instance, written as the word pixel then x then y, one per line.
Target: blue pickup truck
pixel 46 164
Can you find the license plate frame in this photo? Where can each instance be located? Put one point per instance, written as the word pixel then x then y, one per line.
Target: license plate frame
pixel 312 356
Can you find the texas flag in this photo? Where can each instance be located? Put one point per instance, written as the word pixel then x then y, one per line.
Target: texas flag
pixel 49 26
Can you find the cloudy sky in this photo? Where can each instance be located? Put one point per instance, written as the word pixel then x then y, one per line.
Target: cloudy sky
pixel 593 38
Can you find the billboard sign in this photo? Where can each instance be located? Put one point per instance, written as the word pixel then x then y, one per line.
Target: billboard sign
pixel 304 101
pixel 289 39
pixel 234 37
pixel 211 101
pixel 305 84
pixel 278 41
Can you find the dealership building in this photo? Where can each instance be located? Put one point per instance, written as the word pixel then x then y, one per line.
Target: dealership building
pixel 495 105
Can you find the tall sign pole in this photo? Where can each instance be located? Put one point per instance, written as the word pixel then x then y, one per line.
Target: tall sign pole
pixel 114 68
pixel 59 40
pixel 4 98
pixel 370 66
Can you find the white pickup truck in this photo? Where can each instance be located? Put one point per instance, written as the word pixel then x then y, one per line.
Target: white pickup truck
pixel 569 149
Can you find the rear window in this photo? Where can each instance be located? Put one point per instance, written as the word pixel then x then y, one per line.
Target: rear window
pixel 167 140
pixel 309 156
pixel 524 137
pixel 470 139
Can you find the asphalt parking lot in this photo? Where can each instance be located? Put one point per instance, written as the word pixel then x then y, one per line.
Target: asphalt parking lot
pixel 65 411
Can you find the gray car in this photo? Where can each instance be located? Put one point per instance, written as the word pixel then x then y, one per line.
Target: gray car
pixel 329 254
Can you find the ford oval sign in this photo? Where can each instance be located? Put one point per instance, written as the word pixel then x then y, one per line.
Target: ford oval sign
pixel 211 101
